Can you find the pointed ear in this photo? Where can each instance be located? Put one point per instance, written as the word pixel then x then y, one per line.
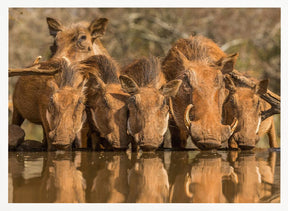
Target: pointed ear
pixel 227 63
pixel 128 84
pixel 54 26
pixel 171 88
pixel 98 27
pixel 53 85
pixel 262 86
pixel 179 55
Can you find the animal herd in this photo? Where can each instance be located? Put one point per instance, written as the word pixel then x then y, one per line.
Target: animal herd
pixel 84 99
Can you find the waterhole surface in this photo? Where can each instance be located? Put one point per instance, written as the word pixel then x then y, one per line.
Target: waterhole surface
pixel 163 176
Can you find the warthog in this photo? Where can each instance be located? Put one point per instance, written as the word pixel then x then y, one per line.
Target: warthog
pixel 78 41
pixel 107 103
pixel 245 103
pixel 75 43
pixel 148 111
pixel 201 66
pixel 58 107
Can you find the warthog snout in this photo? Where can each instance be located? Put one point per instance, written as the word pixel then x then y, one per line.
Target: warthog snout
pixel 243 142
pixel 208 135
pixel 60 138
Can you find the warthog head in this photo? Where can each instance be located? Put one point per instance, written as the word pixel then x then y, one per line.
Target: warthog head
pixel 78 41
pixel 107 102
pixel 148 111
pixel 245 104
pixel 203 90
pixel 66 110
pixel 110 114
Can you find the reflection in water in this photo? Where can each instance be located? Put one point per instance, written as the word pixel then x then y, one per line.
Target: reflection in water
pixel 177 176
pixel 148 180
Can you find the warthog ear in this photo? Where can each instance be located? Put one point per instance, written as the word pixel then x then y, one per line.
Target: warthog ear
pixel 53 85
pixel 128 84
pixel 54 26
pixel 261 87
pixel 171 88
pixel 227 63
pixel 98 27
pixel 179 55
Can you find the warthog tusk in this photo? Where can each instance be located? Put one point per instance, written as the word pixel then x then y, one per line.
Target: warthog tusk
pixel 36 61
pixel 186 116
pixel 234 125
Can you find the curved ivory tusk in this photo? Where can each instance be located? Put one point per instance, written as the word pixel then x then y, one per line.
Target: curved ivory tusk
pixel 234 125
pixel 36 61
pixel 187 120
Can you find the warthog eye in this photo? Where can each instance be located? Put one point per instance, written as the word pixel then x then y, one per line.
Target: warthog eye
pixel 163 104
pixel 82 38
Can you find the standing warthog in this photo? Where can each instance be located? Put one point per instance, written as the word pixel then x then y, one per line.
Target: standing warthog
pixel 75 43
pixel 246 104
pixel 148 111
pixel 58 107
pixel 201 66
pixel 106 103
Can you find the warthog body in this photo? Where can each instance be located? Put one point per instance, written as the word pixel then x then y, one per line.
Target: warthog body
pixel 245 103
pixel 106 103
pixel 31 97
pixel 57 107
pixel 148 111
pixel 201 66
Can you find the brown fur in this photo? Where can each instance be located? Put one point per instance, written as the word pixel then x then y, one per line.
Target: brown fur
pixel 201 66
pixel 57 107
pixel 148 112
pixel 246 104
pixel 77 42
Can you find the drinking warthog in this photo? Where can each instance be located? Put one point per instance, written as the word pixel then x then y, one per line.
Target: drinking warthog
pixel 245 103
pixel 148 111
pixel 75 43
pixel 106 103
pixel 201 66
pixel 58 107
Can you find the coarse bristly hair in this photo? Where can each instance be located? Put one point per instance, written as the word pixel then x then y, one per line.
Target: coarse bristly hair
pixel 103 67
pixel 144 71
pixel 196 49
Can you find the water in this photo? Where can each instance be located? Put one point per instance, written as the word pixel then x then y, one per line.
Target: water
pixel 163 176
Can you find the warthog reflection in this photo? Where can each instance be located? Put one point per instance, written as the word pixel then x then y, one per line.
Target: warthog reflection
pixel 117 177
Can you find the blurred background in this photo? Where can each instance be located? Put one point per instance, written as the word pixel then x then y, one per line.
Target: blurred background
pixel 136 32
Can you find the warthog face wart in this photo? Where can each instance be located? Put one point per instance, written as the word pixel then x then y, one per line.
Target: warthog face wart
pixel 204 88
